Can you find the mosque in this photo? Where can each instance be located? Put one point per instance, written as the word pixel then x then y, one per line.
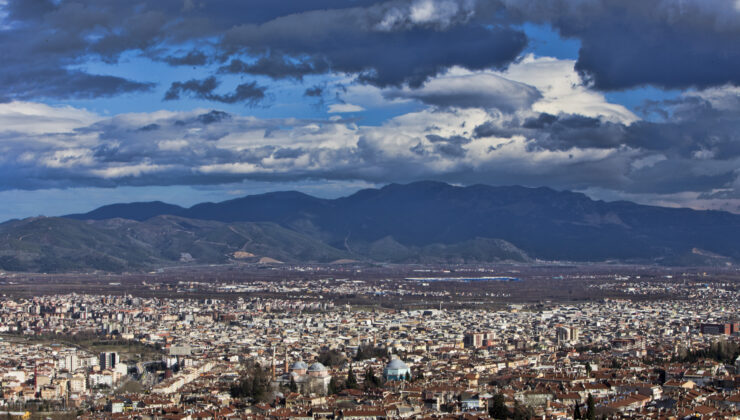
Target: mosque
pixel 396 370
pixel 309 379
pixel 315 378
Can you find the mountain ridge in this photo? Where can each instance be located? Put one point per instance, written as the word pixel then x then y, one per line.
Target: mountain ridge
pixel 434 221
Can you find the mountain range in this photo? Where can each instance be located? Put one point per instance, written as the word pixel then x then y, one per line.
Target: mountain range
pixel 422 222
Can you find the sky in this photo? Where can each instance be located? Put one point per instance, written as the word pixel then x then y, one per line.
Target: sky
pixel 186 101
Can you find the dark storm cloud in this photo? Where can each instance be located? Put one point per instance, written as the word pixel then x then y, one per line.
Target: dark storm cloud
pixel 33 83
pixel 381 42
pixel 576 131
pixel 150 127
pixel 696 149
pixel 406 46
pixel 192 58
pixel 556 132
pixel 43 41
pixel 677 175
pixel 627 43
pixel 277 66
pixel 482 90
pixel 288 153
pixel 490 129
pixel 688 133
pixel 624 43
pixel 314 91
pixel 248 93
pixel 213 117
pixel 722 195
pixel 433 138
pixel 450 149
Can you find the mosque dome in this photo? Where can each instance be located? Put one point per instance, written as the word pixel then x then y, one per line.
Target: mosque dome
pixel 397 364
pixel 396 370
pixel 300 365
pixel 317 367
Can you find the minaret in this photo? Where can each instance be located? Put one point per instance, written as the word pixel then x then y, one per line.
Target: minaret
pixel 273 362
pixel 285 367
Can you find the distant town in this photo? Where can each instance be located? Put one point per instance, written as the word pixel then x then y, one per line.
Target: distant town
pixel 368 342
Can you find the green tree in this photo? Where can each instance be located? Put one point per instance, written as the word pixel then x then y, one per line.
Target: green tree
pixel 369 351
pixel 334 386
pixel 521 412
pixel 497 409
pixel 351 382
pixel 292 386
pixel 588 369
pixel 332 358
pixel 577 412
pixel 254 383
pixel 370 379
pixel 590 408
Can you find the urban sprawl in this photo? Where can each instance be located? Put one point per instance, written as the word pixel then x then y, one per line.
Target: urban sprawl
pixel 304 356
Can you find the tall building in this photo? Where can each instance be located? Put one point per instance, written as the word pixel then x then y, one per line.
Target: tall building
pixel 478 339
pixel 109 360
pixel 573 334
pixel 716 329
pixel 563 335
pixel 567 335
pixel 473 340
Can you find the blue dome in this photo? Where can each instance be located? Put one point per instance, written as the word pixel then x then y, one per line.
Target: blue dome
pixel 396 370
pixel 397 364
pixel 317 367
pixel 300 365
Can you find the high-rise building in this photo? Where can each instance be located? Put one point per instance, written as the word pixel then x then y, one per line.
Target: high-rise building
pixel 563 335
pixel 716 329
pixel 473 340
pixel 109 360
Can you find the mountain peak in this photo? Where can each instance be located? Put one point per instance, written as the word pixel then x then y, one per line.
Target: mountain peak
pixel 139 211
pixel 544 223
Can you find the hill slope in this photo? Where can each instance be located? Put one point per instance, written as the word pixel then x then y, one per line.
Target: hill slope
pixel 542 222
pixel 59 245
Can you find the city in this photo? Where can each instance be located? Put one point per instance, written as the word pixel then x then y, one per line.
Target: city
pixel 369 209
pixel 291 354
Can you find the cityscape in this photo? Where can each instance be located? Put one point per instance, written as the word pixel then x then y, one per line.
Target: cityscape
pixel 369 209
pixel 318 346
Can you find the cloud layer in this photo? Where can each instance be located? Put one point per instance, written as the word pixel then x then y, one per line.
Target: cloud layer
pixel 624 43
pixel 463 135
pixel 469 103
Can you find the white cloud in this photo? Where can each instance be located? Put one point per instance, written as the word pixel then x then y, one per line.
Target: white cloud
pixel 36 118
pixel 465 89
pixel 440 13
pixel 726 98
pixel 648 161
pixel 345 108
pixel 121 171
pixel 172 145
pixel 563 90
pixel 534 84
pixel 66 147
